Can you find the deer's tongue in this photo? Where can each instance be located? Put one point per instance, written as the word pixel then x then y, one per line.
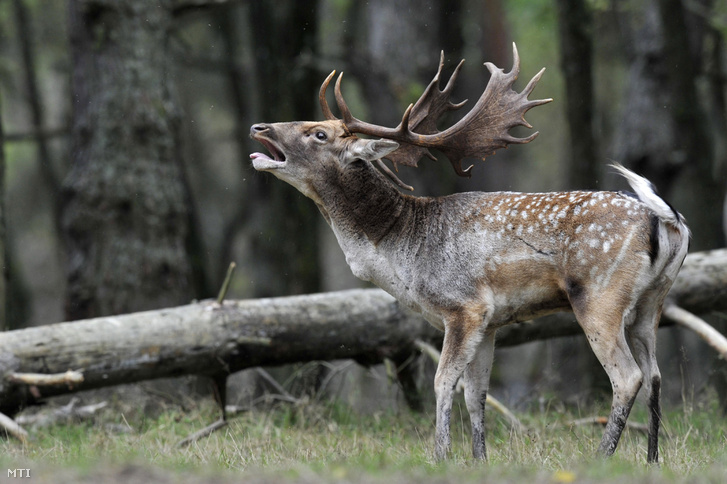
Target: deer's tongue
pixel 261 161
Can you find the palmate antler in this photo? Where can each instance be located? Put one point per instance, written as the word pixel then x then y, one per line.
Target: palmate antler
pixel 477 135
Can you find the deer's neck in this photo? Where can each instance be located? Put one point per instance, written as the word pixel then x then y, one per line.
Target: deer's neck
pixel 361 202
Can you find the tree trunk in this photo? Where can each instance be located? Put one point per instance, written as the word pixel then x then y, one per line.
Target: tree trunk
pixel 240 95
pixel 575 28
pixel 3 255
pixel 683 55
pixel 125 216
pixel 286 92
pixel 366 325
pixel 646 132
pixel 25 39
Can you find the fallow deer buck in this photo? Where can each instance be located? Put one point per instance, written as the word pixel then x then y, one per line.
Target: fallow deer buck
pixel 473 262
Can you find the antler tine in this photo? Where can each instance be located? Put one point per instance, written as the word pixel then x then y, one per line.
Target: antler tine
pixel 348 118
pixel 532 103
pixel 508 78
pixel 322 97
pixel 392 176
pixel 453 78
pixel 515 61
pixel 531 85
pixel 403 127
pixel 520 141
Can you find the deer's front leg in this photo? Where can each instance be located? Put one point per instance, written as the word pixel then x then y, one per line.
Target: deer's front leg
pixel 462 336
pixel 476 384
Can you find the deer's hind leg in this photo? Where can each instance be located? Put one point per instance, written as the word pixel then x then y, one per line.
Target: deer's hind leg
pixel 603 320
pixel 642 338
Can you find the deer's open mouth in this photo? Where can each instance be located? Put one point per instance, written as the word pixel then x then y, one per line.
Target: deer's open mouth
pixel 261 161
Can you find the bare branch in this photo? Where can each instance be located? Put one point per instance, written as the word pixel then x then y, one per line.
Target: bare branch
pixel 39 379
pixel 12 428
pixel 684 318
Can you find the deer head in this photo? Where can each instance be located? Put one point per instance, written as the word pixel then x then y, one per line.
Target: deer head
pixel 478 134
pixel 303 152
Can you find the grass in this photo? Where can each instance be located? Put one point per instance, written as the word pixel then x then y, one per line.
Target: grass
pixel 330 443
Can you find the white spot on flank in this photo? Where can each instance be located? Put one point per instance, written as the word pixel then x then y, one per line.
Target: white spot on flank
pixel 606 246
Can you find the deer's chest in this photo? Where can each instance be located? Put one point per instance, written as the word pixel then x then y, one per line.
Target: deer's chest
pixel 378 265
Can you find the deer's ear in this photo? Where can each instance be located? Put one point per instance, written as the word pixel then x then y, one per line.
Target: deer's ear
pixel 369 150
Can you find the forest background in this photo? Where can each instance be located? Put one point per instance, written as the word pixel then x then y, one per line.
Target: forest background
pixel 127 183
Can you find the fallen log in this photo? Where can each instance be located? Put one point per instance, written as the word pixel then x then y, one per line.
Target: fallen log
pixel 213 339
pixel 207 338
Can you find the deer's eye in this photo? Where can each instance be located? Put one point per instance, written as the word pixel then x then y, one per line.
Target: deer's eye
pixel 321 136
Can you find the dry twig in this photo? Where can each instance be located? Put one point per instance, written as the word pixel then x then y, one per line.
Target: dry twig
pixel 203 432
pixel 602 421
pixel 226 283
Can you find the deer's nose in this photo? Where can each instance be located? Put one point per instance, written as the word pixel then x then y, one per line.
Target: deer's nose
pixel 258 128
